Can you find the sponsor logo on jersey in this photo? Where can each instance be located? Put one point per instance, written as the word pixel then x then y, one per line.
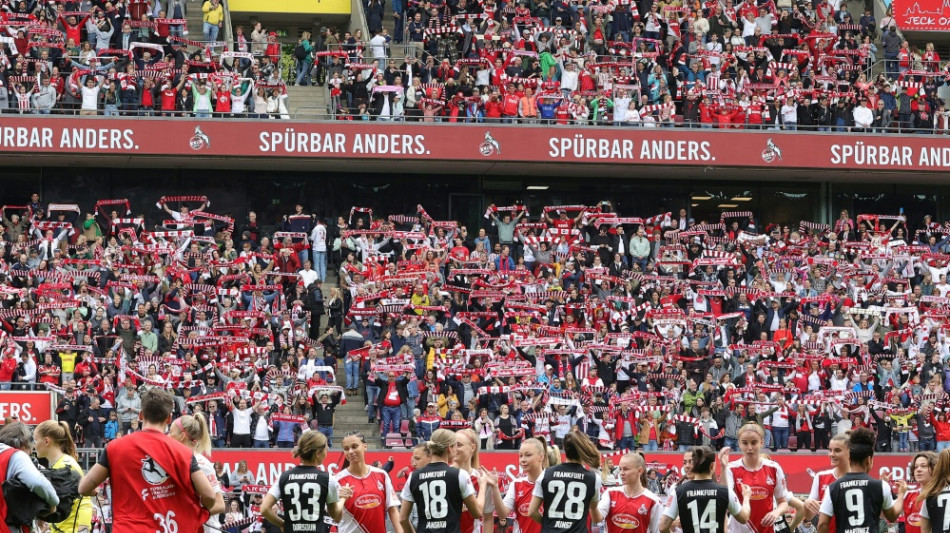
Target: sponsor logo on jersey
pixel 914 519
pixel 625 521
pixel 368 501
pixel 523 509
pixel 152 472
pixel 760 493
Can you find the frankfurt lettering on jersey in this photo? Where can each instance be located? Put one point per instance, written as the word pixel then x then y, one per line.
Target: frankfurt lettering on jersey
pixel 438 491
pixel 567 490
pixel 304 492
pixel 856 501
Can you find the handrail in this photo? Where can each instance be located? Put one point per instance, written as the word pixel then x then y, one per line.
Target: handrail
pixel 228 30
pixel 358 19
pixel 322 115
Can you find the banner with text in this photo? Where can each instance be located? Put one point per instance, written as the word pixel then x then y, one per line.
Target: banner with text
pixel 922 15
pixel 473 143
pixel 28 407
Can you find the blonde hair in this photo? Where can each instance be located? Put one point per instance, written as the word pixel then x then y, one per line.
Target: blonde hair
pixel 550 455
pixel 440 442
pixel 58 432
pixel 476 443
pixel 605 469
pixel 311 444
pixel 751 426
pixel 195 428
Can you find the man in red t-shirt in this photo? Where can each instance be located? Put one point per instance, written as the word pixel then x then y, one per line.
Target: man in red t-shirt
pixel 509 104
pixel 169 96
pixel 394 393
pixel 459 252
pixel 163 489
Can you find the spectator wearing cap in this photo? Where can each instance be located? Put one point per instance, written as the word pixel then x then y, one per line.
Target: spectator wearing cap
pixel 428 422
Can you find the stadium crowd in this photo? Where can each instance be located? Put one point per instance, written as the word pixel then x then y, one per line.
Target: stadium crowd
pixel 132 57
pixel 653 333
pixel 785 65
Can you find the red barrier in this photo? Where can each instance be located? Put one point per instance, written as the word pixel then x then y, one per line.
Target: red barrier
pixel 474 143
pixel 922 15
pixel 268 465
pixel 30 407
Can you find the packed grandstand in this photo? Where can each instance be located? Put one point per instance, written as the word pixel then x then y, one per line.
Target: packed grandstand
pixel 657 333
pixel 717 64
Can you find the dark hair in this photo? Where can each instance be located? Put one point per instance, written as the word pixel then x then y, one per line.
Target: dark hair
pixel 861 445
pixel 157 406
pixel 357 434
pixel 703 459
pixel 578 447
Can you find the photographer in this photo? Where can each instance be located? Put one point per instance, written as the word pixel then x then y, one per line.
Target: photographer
pixel 25 371
pixel 16 441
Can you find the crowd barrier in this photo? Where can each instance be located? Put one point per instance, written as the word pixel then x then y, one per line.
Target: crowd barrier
pixel 268 465
pixel 476 143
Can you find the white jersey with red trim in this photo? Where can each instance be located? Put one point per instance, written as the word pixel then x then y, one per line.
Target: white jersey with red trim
pixel 518 499
pixel 767 483
pixel 625 514
pixel 373 495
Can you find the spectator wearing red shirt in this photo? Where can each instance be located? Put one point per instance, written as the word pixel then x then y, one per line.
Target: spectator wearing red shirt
pixel 494 106
pixel 169 96
pixel 7 369
pixel 509 104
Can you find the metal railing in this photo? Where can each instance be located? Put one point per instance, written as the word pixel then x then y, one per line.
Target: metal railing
pixel 228 29
pixel 19 386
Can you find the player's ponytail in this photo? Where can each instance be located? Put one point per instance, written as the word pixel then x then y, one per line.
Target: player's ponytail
pixel 579 448
pixel 861 445
pixel 703 460
pixel 196 429
pixel 440 442
pixel 58 432
pixel 940 478
pixel 550 455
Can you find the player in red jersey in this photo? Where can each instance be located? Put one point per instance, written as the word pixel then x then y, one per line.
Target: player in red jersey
pixel 533 457
pixel 631 508
pixel 766 477
pixel 373 494
pixel 923 470
pixel 163 489
pixel 466 459
pixel 840 464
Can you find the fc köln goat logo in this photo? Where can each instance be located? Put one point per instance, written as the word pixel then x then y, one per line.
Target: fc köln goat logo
pixel 199 140
pixel 489 146
pixel 772 152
